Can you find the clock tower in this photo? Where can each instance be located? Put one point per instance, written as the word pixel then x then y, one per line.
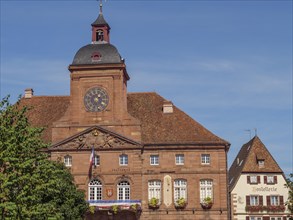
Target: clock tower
pixel 98 89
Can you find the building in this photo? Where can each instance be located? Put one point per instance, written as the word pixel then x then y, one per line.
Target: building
pixel 149 160
pixel 257 185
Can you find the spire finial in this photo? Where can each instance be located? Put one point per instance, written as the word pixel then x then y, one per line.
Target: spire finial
pixel 101 6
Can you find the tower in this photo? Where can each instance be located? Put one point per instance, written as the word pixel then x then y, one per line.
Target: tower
pixel 98 88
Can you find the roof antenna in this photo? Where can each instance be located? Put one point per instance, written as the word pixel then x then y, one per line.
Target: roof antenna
pixel 248 130
pixel 255 131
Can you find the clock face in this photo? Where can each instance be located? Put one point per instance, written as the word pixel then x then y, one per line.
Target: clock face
pixel 96 99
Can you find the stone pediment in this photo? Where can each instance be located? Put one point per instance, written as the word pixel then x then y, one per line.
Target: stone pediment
pixel 97 137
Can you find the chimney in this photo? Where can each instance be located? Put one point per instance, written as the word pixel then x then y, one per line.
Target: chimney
pixel 28 93
pixel 167 107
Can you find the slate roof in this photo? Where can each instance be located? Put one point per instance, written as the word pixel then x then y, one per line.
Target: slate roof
pixel 107 52
pixel 100 21
pixel 246 161
pixel 157 127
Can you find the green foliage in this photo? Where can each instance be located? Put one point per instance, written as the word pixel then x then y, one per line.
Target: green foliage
pixel 115 209
pixel 31 186
pixel 181 202
pixel 289 185
pixel 154 202
pixel 207 200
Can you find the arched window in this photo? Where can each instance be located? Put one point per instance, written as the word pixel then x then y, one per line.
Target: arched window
pixel 123 189
pixel 155 190
pixel 68 161
pixel 95 190
pixel 206 189
pixel 100 35
pixel 180 189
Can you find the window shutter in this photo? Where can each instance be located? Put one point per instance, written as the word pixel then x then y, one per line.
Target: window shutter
pixel 258 179
pixel 247 217
pixel 248 179
pixel 268 200
pixel 265 180
pixel 266 218
pixel 275 180
pixel 247 200
pixel 284 218
pixel 281 200
pixel 260 200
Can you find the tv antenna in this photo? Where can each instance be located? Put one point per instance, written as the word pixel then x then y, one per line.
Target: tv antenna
pixel 249 130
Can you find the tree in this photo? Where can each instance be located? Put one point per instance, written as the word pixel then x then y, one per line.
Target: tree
pixel 289 185
pixel 31 186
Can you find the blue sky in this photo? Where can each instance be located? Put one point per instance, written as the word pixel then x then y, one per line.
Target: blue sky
pixel 228 64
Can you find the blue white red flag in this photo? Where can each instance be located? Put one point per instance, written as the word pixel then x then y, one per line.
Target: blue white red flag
pixel 91 162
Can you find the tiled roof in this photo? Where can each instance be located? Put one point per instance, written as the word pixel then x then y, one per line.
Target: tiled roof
pixel 157 127
pixel 45 110
pixel 246 161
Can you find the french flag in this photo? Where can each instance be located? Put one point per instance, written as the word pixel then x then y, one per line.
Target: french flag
pixel 91 162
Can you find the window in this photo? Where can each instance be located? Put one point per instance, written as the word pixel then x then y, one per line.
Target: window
pixel 255 218
pixel 96 56
pixel 179 159
pixel 206 189
pixel 254 200
pixel 100 35
pixel 261 163
pixel 275 218
pixel 97 160
pixel 270 179
pixel 180 189
pixel 68 161
pixel 123 160
pixel 205 159
pixel 154 159
pixel 274 200
pixel 123 189
pixel 155 189
pixel 253 179
pixel 95 190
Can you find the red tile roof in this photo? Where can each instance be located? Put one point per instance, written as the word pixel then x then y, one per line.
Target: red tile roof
pixel 157 127
pixel 247 161
pixel 45 110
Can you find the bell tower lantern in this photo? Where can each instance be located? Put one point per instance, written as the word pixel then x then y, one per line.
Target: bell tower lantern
pixel 100 28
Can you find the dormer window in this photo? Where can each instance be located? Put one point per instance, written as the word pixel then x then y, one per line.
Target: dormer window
pixel 100 35
pixel 260 160
pixel 96 56
pixel 261 163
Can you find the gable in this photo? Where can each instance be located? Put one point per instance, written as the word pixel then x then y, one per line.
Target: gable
pixel 246 161
pixel 97 137
pixel 258 152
